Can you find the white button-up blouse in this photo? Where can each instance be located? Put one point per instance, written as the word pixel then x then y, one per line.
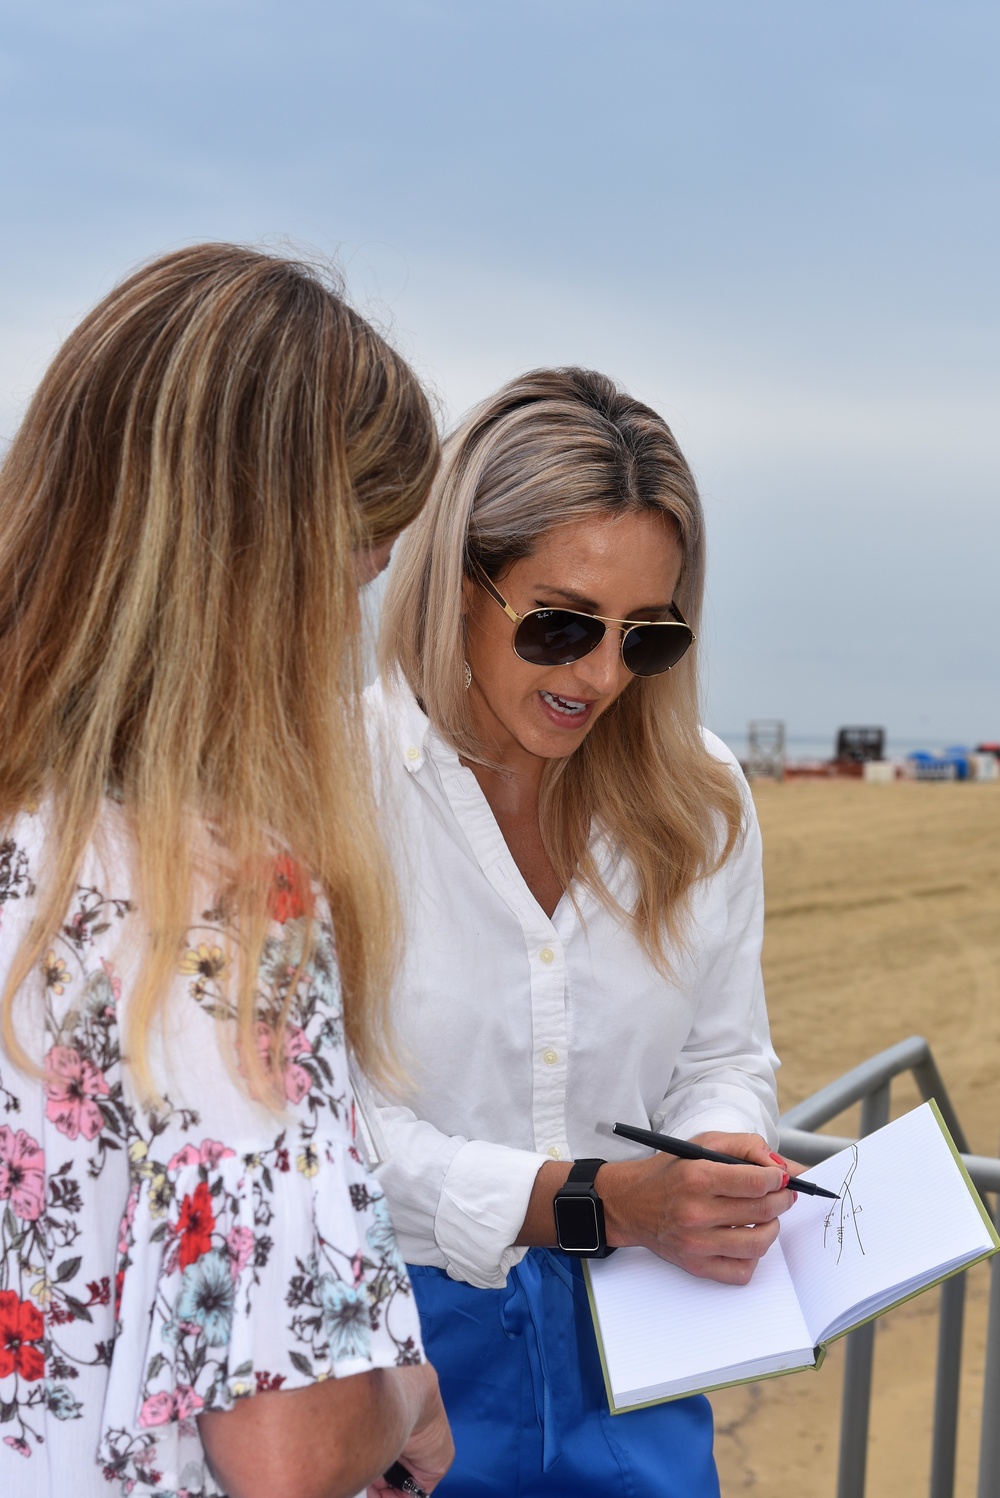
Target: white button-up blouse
pixel 525 1038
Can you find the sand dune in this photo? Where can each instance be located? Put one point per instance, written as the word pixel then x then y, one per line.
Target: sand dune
pixel 883 920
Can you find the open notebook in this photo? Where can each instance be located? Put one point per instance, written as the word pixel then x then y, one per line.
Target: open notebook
pixel 907 1216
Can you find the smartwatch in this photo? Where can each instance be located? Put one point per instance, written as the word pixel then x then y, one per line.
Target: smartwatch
pixel 579 1213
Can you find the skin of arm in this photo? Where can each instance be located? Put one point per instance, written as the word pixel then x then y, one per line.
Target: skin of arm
pixel 693 1213
pixel 333 1439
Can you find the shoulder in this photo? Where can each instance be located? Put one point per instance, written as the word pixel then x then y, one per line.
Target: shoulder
pixel 720 751
pixel 398 728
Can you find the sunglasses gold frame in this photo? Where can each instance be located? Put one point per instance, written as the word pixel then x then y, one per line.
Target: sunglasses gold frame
pixel 625 625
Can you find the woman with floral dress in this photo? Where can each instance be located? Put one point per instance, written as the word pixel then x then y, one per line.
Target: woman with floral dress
pixel 200 1290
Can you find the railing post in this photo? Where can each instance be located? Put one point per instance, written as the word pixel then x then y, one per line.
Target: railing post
pixel 949 1366
pixel 860 1349
pixel 989 1441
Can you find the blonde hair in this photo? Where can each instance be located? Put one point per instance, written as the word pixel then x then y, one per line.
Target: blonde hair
pixel 551 447
pixel 179 613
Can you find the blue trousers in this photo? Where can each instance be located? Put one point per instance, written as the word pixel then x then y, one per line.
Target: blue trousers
pixel 521 1381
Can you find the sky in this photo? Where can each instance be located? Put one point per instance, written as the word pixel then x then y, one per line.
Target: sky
pixel 777 223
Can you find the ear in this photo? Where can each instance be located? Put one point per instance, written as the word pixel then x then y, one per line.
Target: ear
pixel 468 594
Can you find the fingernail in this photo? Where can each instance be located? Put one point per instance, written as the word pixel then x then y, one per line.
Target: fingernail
pixel 785 1180
pixel 778 1160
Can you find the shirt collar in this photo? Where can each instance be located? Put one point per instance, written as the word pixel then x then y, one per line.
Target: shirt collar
pixel 407 724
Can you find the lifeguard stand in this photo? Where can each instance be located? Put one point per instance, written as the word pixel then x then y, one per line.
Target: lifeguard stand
pixel 766 748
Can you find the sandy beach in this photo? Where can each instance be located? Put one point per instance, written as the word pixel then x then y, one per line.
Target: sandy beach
pixel 883 921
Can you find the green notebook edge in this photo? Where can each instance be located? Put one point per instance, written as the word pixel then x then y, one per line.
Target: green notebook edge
pixel 820 1350
pixel 973 1189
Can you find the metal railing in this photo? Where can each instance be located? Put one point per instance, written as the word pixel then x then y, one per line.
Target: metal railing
pixel 869 1084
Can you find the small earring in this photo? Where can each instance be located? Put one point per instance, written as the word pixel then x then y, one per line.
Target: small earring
pixel 468 675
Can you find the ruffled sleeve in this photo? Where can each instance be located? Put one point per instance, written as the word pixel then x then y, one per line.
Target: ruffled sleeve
pixel 255 1252
pixel 241 1271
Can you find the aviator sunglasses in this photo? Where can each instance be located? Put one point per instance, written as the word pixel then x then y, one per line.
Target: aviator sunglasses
pixel 558 637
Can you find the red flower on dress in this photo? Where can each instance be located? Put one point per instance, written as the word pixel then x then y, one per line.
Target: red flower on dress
pixel 21 1327
pixel 195 1225
pixel 22 1173
pixel 72 1089
pixel 288 896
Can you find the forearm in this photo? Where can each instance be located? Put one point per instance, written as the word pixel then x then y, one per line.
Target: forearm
pixel 329 1440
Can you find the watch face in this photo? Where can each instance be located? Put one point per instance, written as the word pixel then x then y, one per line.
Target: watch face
pixel 576 1224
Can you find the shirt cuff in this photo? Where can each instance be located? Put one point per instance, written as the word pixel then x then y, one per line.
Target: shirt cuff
pixel 481 1210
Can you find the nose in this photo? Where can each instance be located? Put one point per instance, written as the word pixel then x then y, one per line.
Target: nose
pixel 603 670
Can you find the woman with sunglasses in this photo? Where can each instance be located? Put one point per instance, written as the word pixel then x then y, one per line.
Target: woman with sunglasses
pixel 582 872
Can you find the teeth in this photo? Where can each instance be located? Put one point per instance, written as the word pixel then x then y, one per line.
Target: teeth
pixel 565 704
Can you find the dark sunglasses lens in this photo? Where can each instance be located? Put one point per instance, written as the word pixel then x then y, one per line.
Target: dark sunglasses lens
pixel 556 637
pixel 649 649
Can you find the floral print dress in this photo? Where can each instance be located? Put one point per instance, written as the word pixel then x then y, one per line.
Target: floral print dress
pixel 161 1260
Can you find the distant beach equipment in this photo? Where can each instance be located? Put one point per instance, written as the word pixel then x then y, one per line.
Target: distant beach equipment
pixel 859 746
pixel 956 763
pixel 766 748
pixel 880 771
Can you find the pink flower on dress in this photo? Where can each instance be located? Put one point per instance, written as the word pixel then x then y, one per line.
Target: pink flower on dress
pixel 116 987
pixel 125 1226
pixel 295 1079
pixel 240 1242
pixel 159 1409
pixel 72 1089
pixel 209 1153
pixel 22 1173
pixel 187 1402
pixel 156 1410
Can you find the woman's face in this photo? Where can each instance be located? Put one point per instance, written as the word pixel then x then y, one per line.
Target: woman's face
pixel 623 567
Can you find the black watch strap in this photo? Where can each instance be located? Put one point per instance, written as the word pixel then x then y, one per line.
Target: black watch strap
pixel 583 1173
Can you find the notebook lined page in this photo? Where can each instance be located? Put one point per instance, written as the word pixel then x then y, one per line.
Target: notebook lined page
pixel 905 1212
pixel 660 1325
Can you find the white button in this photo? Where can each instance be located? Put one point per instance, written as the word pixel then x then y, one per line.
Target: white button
pixel 547 955
pixel 413 752
pixel 550 1057
pixel 555 1151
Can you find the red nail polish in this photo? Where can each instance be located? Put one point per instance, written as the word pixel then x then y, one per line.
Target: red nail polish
pixel 778 1160
pixel 785 1180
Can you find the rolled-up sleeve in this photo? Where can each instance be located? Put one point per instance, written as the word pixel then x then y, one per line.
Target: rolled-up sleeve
pixel 456 1203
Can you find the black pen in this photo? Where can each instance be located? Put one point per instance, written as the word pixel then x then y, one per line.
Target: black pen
pixel 404 1482
pixel 685 1150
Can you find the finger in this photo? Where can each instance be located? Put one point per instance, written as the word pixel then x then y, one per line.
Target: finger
pixel 745 1242
pixel 751 1182
pixel 730 1212
pixel 749 1147
pixel 724 1271
pixel 736 1242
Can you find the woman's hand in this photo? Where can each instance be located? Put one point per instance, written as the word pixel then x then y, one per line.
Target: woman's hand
pixel 430 1450
pixel 715 1221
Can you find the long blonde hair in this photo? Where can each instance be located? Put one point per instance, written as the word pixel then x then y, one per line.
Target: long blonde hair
pixel 179 614
pixel 551 447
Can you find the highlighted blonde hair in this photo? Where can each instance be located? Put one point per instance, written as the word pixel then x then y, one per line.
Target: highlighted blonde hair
pixel 553 447
pixel 179 615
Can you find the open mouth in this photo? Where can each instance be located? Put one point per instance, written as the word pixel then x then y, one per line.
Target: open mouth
pixel 568 706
